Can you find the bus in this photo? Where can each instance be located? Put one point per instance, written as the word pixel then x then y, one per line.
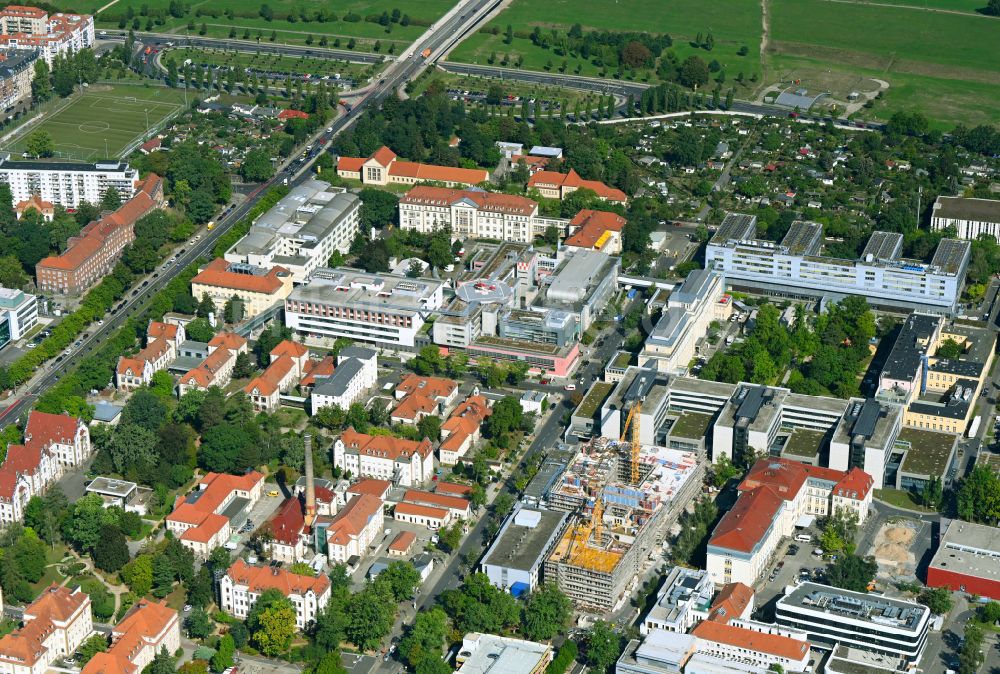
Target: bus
pixel 210 225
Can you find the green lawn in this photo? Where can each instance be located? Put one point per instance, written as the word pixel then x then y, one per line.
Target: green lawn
pixel 595 397
pixel 691 425
pixel 732 24
pixel 102 120
pixel 970 6
pixel 804 442
pixel 929 451
pixel 422 13
pixel 901 499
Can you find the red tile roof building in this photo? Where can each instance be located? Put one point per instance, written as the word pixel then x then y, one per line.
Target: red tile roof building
pixel 473 213
pixel 384 167
pixel 431 517
pixel 217 368
pixel 92 254
pixel 52 443
pixel 242 585
pixel 776 495
pixel 289 362
pixel 201 519
pixel 437 388
pixel 461 430
pixel 748 644
pixel 554 185
pixel 46 208
pixel 459 507
pixel 405 462
pixel 55 625
pixel 355 528
pixel 402 544
pixel 221 281
pixel 596 230
pixel 32 28
pixel 162 343
pixel 372 487
pixel 289 534
pixel 734 601
pixel 147 628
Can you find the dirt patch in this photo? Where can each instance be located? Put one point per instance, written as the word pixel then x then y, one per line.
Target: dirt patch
pixel 892 549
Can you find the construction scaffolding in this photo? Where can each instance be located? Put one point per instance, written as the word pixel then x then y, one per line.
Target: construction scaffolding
pixel 622 502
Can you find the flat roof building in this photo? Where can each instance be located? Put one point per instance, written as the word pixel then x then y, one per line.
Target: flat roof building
pixel 967 559
pixel 865 437
pixel 684 599
pixel 301 231
pixel 874 623
pixel 67 183
pixel 970 217
pixel 487 653
pixel 383 309
pixel 796 268
pixel 514 560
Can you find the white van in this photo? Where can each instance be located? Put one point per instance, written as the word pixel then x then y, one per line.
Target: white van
pixel 804 538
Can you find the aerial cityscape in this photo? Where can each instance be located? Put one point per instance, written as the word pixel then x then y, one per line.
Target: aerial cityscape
pixel 500 337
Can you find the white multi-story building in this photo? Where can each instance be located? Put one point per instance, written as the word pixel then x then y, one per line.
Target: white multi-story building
pixel 406 463
pixel 242 585
pixel 383 309
pixel 473 214
pixel 515 558
pixel 67 183
pixel 301 231
pixel 892 628
pixel 866 436
pixel 55 625
pixel 777 495
pixel 146 629
pixel 33 28
pixel 18 314
pixel 970 217
pixel 52 443
pixel 356 527
pixel 796 268
pixel 357 371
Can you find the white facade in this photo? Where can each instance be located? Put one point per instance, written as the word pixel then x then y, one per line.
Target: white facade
pixel 472 214
pixel 355 528
pixel 67 183
pixel 242 585
pixel 356 373
pixel 303 229
pixel 383 309
pixel 32 28
pixel 20 312
pixel 783 268
pixel 404 462
pixel 969 217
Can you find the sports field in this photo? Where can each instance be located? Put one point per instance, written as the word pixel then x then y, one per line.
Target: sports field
pixel 101 122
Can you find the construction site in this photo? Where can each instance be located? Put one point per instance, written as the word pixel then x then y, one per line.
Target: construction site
pixel 623 497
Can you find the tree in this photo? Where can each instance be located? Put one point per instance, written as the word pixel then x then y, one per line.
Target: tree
pixel 272 335
pixel 222 447
pixel 199 589
pixel 993 8
pixel 505 419
pixel 29 556
pixel 425 638
pixel 244 366
pixel 979 496
pixel 163 576
pixel 378 209
pixel 478 606
pixel 970 658
pixel 234 310
pixel 603 646
pixel 256 167
pixel 937 599
pixel 40 144
pixel 272 623
pixel 224 653
pixel 635 54
pixel 162 663
pixel 138 575
pixel 546 613
pixel 949 349
pixel 162 384
pixel 112 554
pixel 694 72
pixel 12 273
pixel 402 579
pixel 430 427
pixel 41 83
pixel 428 361
pixel 371 613
pixel 144 409
pixel 200 330
pixel 83 526
pixel 98 643
pixel 111 200
pixel 199 625
pixel 851 572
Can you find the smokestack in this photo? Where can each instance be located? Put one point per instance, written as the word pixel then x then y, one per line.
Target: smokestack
pixel 310 482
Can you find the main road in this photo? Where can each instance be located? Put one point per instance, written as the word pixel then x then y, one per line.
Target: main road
pixel 446 32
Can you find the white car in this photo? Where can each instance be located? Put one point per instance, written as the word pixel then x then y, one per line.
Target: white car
pixel 570 387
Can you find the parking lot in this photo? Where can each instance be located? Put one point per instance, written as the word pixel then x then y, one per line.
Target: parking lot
pixel 791 557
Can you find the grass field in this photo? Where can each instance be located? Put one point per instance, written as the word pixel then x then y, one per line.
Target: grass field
pixel 733 24
pixel 102 121
pixel 421 12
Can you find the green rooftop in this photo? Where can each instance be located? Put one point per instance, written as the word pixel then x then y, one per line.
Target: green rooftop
pixel 691 425
pixel 595 397
pixel 622 360
pixel 929 452
pixel 804 442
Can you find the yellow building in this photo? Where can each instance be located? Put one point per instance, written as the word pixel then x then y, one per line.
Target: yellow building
pixel 221 281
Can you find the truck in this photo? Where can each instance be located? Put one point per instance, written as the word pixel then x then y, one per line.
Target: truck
pixel 974 427
pixel 426 53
